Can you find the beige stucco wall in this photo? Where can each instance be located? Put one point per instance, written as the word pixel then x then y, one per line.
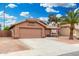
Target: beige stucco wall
pixel 77 33
pixel 64 31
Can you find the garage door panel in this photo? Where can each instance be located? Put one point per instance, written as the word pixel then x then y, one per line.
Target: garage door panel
pixel 30 33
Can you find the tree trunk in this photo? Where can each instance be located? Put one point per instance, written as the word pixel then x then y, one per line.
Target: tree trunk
pixel 71 31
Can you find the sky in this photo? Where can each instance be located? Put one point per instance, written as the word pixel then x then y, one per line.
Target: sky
pixel 18 12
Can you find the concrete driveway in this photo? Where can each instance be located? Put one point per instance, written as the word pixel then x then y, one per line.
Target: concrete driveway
pixel 45 47
pixel 8 45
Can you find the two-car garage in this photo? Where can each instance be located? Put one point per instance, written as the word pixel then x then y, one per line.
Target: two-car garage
pixel 30 32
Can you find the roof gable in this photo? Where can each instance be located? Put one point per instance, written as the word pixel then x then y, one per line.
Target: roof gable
pixel 31 20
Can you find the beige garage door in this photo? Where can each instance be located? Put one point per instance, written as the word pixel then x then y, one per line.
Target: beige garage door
pixel 30 33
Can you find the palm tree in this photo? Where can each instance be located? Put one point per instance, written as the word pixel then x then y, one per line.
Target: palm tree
pixel 71 18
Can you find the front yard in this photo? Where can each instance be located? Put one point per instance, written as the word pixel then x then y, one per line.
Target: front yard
pixel 50 46
pixel 8 45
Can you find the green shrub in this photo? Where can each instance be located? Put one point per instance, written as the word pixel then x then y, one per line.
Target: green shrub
pixel 6 28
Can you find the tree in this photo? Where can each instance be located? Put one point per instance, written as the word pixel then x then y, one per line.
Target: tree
pixel 6 28
pixel 72 18
pixel 52 18
pixel 56 20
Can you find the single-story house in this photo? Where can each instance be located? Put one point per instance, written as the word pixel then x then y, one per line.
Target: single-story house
pixel 30 28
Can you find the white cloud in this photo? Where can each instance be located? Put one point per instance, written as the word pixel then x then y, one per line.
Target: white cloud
pixel 11 5
pixel 10 22
pixel 44 19
pixel 24 14
pixel 50 10
pixel 1 14
pixel 6 16
pixel 69 5
pixel 65 4
pixel 49 6
pixel 9 19
pixel 58 4
pixel 58 15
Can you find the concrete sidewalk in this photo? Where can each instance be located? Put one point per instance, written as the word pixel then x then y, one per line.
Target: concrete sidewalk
pixel 45 47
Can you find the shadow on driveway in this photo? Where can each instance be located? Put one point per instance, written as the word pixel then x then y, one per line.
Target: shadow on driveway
pixel 71 54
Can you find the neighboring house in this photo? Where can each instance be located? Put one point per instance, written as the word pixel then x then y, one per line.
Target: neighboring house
pixel 31 28
pixel 65 30
pixel 54 28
